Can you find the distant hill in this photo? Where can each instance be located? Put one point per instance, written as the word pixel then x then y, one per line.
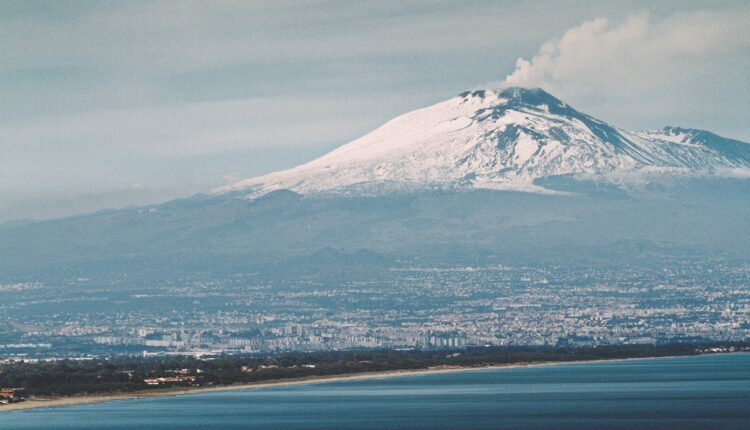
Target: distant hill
pixel 510 176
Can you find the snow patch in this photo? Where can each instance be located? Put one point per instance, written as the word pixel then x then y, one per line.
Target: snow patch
pixel 482 139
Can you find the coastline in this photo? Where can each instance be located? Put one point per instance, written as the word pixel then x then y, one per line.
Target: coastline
pixel 54 402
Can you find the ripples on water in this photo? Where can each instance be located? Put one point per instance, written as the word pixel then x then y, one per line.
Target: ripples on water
pixel 670 393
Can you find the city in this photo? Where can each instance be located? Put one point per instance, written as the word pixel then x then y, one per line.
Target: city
pixel 325 215
pixel 406 307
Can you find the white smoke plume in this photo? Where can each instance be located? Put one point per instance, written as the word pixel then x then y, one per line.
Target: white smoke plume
pixel 672 69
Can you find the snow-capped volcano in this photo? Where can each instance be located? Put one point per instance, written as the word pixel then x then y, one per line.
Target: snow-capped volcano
pixel 498 139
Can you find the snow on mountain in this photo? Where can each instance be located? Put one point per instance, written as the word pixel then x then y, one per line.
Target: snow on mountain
pixel 502 140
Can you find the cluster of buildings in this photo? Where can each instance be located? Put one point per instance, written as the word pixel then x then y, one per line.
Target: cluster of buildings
pixel 409 308
pixel 187 380
pixel 10 395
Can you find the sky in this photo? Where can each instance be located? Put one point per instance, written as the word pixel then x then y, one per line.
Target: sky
pixel 107 104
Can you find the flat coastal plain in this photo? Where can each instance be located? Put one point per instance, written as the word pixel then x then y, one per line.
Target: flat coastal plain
pixel 49 402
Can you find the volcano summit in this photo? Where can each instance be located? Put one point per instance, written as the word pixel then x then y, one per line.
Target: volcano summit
pixel 500 140
pixel 515 175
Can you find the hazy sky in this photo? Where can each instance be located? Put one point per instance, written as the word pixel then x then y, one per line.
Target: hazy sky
pixel 109 104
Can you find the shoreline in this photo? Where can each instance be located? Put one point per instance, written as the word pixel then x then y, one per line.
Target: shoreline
pixel 56 402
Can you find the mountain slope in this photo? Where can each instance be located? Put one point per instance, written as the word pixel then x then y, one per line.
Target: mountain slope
pixel 284 233
pixel 340 216
pixel 498 140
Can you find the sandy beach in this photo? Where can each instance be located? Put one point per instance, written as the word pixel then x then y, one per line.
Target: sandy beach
pixel 50 402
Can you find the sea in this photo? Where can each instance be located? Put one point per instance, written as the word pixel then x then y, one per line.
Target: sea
pixel 699 392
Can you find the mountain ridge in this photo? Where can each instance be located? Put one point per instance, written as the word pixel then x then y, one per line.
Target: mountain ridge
pixel 499 140
pixel 289 225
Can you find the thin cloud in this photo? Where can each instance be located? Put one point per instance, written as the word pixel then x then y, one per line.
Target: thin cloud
pixel 174 95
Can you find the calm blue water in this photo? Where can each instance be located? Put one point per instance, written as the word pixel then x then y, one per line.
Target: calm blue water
pixel 706 392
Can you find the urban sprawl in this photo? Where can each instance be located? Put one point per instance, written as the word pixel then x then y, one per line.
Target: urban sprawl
pixel 412 307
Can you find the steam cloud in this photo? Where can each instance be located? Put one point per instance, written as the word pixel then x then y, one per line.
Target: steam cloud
pixel 639 56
